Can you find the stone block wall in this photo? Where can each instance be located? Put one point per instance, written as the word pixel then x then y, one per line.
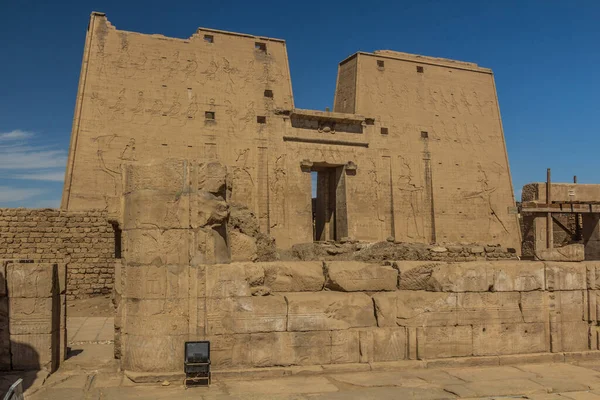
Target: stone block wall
pixel 345 312
pixel 32 315
pixel 83 241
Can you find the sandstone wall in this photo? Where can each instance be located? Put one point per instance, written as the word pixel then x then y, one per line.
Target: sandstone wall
pixel 83 241
pixel 227 96
pixel 32 316
pixel 443 146
pixel 335 313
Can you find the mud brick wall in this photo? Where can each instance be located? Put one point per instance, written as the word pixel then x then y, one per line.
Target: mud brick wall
pixel 285 314
pixel 83 241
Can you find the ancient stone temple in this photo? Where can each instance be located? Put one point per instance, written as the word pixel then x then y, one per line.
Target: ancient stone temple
pixel 413 148
pixel 189 196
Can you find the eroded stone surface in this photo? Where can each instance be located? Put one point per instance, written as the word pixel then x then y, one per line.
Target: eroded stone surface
pixel 356 276
pixel 32 280
pixel 294 276
pixel 566 276
pixel 570 252
pixel 246 314
pixel 243 247
pixel 477 276
pixel 329 311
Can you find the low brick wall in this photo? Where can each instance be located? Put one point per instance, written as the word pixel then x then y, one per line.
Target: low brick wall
pixel 83 241
pixel 348 312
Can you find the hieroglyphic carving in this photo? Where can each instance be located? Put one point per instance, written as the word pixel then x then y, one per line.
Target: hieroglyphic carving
pixel 107 147
pixel 263 190
pixel 485 194
pixel 243 184
pixel 386 200
pixel 411 200
pixel 277 187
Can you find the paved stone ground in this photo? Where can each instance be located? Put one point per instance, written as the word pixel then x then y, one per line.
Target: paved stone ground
pixel 532 381
pixel 90 329
pixel 92 373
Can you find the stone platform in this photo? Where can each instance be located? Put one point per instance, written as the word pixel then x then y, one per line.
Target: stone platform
pixel 330 314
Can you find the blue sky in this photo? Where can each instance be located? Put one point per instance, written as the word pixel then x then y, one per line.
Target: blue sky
pixel 545 55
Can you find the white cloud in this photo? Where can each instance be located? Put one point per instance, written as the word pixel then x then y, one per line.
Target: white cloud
pixel 18 151
pixel 10 194
pixel 24 158
pixel 58 176
pixel 17 134
pixel 32 159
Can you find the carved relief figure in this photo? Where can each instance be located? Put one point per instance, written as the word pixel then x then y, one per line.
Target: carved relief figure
pixel 277 189
pixel 411 201
pixel 243 184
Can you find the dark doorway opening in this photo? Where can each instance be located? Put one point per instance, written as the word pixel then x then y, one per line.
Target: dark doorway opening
pixel 118 239
pixel 328 203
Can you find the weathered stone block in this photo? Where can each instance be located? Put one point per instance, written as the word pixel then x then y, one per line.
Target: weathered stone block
pixel 157 281
pixel 62 278
pixel 383 344
pixel 352 276
pixel 34 352
pixel 519 276
pixel 290 348
pixel 233 280
pixel 243 247
pixel 62 311
pixel 155 208
pixel 489 307
pixel 157 325
pixel 32 280
pixel 310 347
pixel 329 311
pixel 152 353
pixel 426 308
pixel 228 351
pixel 534 306
pixel 565 276
pixel 568 253
pixel 476 250
pixel 385 308
pixel 593 274
pixel 517 338
pixel 571 305
pixel 153 307
pixel 63 346
pixel 208 210
pixel 345 347
pixel 299 276
pixel 416 275
pixel 156 246
pixel 210 246
pixel 270 349
pixel 211 176
pixel 574 336
pixel 33 315
pixel 444 341
pixel 246 315
pixel 168 175
pixel 463 277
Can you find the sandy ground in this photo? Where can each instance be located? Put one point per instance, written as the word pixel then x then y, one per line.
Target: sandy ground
pixel 100 306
